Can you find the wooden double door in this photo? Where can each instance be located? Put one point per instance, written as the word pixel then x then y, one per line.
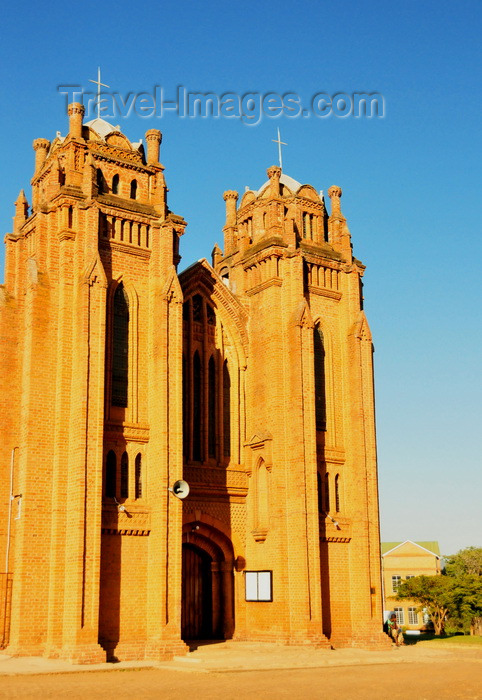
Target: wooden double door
pixel 197 619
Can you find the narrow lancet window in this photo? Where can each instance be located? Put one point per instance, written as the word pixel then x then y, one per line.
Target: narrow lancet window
pixel 211 316
pixel 320 390
pixel 197 409
pixel 100 181
pixel 185 406
pixel 138 468
pixel 319 484
pixel 226 410
pixel 110 474
pixel 115 184
pixel 134 189
pixel 124 485
pixel 197 308
pixel 212 408
pixel 120 347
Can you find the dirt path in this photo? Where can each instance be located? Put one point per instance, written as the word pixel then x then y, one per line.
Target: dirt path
pixel 448 676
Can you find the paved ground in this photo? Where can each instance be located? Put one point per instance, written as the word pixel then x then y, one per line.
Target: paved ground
pixel 235 670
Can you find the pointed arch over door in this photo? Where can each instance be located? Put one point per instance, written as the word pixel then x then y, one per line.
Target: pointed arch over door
pixel 207 583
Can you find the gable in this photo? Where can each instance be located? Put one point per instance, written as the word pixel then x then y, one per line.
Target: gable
pixel 410 547
pixel 201 278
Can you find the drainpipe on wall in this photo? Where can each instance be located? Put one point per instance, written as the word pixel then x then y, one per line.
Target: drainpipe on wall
pixel 5 632
pixel 10 501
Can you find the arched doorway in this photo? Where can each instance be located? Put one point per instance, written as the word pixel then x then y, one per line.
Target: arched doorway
pixel 207 583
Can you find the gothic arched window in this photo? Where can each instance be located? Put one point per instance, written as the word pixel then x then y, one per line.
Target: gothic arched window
pixel 206 385
pixel 110 474
pixel 120 347
pixel 115 184
pixel 320 389
pixel 134 189
pixel 124 485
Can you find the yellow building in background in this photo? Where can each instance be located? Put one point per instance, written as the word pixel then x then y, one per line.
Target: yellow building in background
pixel 401 561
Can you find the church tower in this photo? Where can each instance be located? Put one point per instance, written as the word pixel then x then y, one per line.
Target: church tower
pixel 279 385
pixel 91 400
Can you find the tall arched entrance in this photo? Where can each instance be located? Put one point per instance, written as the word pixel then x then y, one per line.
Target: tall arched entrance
pixel 207 583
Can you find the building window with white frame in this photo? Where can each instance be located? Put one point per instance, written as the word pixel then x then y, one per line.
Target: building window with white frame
pixel 400 615
pixel 396 583
pixel 412 616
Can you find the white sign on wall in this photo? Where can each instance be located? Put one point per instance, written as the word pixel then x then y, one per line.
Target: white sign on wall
pixel 259 586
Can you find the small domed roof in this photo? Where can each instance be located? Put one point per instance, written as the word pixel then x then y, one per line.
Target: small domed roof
pixel 286 180
pixel 101 127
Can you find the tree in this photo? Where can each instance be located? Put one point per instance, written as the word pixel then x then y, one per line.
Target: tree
pixel 457 594
pixel 467 561
pixel 466 568
pixel 434 595
pixel 467 602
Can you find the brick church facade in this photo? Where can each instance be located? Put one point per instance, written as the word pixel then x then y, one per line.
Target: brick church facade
pixel 249 377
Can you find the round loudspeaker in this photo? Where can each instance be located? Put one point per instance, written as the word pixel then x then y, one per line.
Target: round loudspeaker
pixel 180 489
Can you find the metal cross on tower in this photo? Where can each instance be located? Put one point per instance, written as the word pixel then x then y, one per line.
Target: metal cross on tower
pixel 280 143
pixel 98 83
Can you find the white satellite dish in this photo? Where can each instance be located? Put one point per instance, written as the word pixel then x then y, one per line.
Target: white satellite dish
pixel 180 489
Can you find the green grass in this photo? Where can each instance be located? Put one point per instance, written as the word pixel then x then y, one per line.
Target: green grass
pixel 449 639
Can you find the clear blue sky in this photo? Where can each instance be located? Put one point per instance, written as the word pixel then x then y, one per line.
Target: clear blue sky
pixel 411 183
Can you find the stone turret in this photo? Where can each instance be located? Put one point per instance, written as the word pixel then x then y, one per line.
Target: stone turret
pixel 76 113
pixel 154 140
pixel 41 147
pixel 230 197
